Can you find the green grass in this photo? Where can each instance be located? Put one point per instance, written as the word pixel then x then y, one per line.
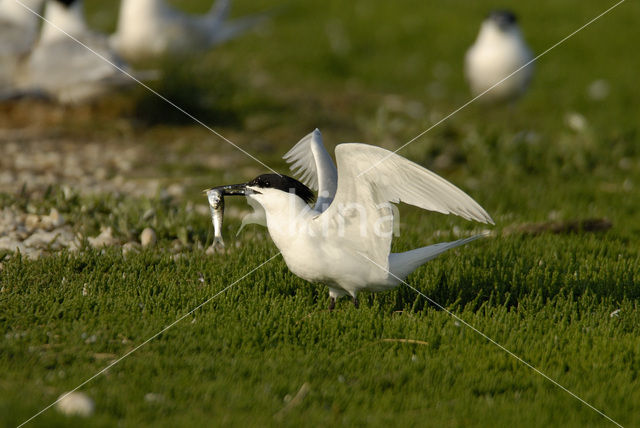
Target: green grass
pixel 363 71
pixel 235 359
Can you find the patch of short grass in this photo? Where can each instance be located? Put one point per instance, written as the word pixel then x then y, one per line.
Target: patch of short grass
pixel 236 358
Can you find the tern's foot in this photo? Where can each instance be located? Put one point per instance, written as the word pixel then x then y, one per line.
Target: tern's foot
pixel 332 303
pixel 356 303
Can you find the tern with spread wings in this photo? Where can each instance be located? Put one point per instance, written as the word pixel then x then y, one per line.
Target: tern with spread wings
pixel 344 239
pixel 151 29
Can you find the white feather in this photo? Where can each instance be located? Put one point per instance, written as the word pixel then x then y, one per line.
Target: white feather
pixel 311 163
pixel 392 179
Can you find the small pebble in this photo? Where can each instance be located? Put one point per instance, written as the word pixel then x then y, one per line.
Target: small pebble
pixel 41 239
pixel 31 221
pixel 152 397
pixel 598 90
pixel 576 121
pixel 129 247
pixel 148 237
pixel 75 404
pixel 104 239
pixel 53 220
pixel 175 190
pixel 211 250
pixel 149 214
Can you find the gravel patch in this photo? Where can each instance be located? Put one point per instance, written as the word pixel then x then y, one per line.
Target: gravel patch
pixel 88 168
pixel 33 235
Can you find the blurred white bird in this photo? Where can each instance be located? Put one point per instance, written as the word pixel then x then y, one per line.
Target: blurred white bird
pixel 65 70
pixel 151 29
pixel 18 33
pixel 344 241
pixel 498 51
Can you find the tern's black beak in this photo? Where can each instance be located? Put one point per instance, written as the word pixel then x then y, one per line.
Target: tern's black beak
pixel 234 189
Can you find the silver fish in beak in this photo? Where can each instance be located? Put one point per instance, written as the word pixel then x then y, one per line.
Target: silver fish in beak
pixel 216 205
pixel 216 195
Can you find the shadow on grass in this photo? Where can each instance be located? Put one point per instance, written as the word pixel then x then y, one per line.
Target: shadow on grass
pixel 207 94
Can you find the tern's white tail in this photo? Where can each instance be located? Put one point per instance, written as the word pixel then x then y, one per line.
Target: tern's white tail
pixel 402 264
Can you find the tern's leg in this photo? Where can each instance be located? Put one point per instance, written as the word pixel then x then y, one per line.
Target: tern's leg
pixel 334 295
pixel 356 302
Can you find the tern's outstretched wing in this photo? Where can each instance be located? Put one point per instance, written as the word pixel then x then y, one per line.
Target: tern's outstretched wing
pixel 311 162
pixel 220 28
pixel 371 177
pixel 219 10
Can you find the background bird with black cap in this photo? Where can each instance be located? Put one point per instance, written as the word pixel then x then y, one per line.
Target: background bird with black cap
pixel 499 51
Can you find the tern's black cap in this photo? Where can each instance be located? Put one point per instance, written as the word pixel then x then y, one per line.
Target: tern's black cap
pixel 284 183
pixel 504 18
pixel 66 3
